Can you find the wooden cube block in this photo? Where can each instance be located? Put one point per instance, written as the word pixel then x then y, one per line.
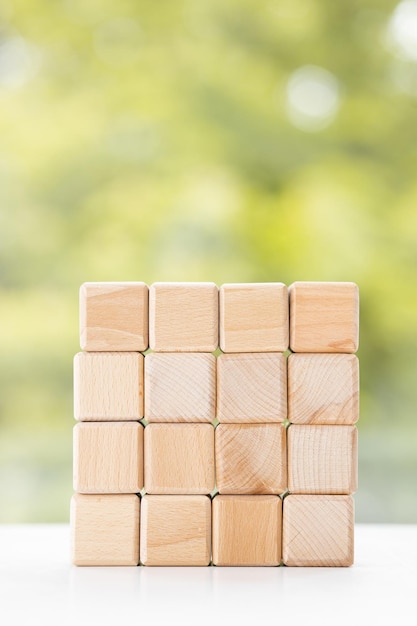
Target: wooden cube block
pixel 108 386
pixel 251 388
pixel 180 387
pixel 108 457
pixel 183 317
pixel 323 388
pixel 251 458
pixel 322 459
pixel 318 531
pixel 114 316
pixel 175 530
pixel 324 317
pixel 254 317
pixel 246 530
pixel 105 529
pixel 179 458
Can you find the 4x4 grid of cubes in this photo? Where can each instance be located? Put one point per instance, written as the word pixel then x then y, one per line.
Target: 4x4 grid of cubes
pixel 232 440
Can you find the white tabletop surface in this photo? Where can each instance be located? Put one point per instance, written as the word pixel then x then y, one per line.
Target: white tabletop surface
pixel 38 585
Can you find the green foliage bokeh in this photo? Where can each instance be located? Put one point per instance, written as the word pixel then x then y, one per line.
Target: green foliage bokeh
pixel 153 141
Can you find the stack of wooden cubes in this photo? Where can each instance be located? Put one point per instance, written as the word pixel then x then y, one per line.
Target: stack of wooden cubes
pixel 215 446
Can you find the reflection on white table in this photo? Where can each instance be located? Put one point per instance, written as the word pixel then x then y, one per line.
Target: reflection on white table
pixel 38 585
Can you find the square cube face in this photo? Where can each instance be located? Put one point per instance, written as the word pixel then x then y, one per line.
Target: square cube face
pixel 322 459
pixel 108 386
pixel 318 531
pixel 114 317
pixel 254 317
pixel 323 388
pixel 246 530
pixel 180 387
pixel 251 458
pixel 105 529
pixel 175 530
pixel 183 317
pixel 251 388
pixel 108 457
pixel 324 317
pixel 179 458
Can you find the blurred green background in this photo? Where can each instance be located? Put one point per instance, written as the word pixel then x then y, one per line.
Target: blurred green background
pixel 204 140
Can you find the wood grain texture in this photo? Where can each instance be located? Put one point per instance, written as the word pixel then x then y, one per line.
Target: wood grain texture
pixel 253 317
pixel 251 458
pixel 114 316
pixel 322 459
pixel 318 531
pixel 251 388
pixel 180 387
pixel 323 388
pixel 108 457
pixel 105 529
pixel 324 317
pixel 179 458
pixel 246 530
pixel 183 317
pixel 108 386
pixel 175 530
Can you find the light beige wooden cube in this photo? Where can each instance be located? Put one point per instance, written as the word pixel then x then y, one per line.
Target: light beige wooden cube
pixel 324 317
pixel 175 530
pixel 114 316
pixel 246 530
pixel 108 457
pixel 318 531
pixel 323 388
pixel 179 458
pixel 322 459
pixel 108 386
pixel 183 317
pixel 251 388
pixel 253 317
pixel 180 387
pixel 105 529
pixel 251 458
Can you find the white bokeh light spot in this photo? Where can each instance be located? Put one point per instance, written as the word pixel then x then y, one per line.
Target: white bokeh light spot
pixel 313 98
pixel 402 29
pixel 19 62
